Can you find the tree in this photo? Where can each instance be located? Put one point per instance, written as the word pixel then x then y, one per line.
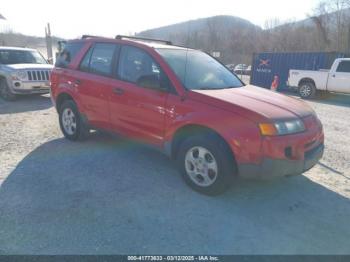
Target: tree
pixel 332 20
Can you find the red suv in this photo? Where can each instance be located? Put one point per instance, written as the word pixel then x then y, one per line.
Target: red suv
pixel 186 103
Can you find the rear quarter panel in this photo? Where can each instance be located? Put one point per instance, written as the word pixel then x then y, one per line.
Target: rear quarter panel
pixel 62 79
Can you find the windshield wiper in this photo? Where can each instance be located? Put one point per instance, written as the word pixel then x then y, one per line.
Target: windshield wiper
pixel 207 88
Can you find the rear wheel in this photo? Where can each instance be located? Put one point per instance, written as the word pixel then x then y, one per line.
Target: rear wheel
pixel 5 91
pixel 307 90
pixel 206 164
pixel 71 122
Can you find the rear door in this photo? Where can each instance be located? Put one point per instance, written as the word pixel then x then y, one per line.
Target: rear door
pixel 94 81
pixel 339 81
pixel 139 95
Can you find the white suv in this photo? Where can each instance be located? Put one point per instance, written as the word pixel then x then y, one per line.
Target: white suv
pixel 23 71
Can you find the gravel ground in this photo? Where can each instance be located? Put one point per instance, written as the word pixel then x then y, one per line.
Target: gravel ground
pixel 113 196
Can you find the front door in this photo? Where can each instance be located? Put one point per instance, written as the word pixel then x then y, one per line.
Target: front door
pixel 138 97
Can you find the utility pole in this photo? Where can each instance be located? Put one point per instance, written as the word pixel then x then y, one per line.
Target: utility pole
pixel 49 43
pixel 2 29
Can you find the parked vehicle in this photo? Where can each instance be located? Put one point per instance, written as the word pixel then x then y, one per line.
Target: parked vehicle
pixel 240 69
pixel 248 70
pixel 23 71
pixel 204 117
pixel 268 65
pixel 231 67
pixel 309 83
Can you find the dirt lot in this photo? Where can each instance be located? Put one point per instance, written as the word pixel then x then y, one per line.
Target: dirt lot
pixel 108 196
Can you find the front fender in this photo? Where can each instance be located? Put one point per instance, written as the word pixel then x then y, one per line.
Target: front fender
pixel 5 73
pixel 241 134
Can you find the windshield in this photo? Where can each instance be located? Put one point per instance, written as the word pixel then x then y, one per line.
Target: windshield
pixel 197 70
pixel 10 57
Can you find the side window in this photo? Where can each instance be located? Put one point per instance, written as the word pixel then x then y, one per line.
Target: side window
pixel 85 63
pixel 138 67
pixel 344 67
pixel 68 54
pixel 102 58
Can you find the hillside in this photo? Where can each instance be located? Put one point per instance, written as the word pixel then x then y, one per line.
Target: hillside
pixel 231 36
pixel 237 39
pixel 20 40
pixel 220 23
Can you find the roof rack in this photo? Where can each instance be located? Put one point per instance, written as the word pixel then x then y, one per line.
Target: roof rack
pixel 143 39
pixel 91 36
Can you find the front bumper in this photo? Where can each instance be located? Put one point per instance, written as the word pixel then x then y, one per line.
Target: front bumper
pixel 288 155
pixel 270 168
pixel 30 87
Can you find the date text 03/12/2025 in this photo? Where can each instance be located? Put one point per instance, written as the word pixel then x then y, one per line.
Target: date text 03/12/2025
pixel 173 258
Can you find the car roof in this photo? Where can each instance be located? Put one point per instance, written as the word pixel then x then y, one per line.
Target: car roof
pixel 16 48
pixel 344 59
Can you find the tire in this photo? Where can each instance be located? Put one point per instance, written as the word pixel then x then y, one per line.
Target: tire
pixel 307 90
pixel 5 91
pixel 71 124
pixel 212 152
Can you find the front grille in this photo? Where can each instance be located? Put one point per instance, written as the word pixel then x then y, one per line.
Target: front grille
pixel 38 75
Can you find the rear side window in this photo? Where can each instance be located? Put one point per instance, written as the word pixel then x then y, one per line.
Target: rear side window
pixel 69 52
pixel 101 61
pixel 85 64
pixel 344 67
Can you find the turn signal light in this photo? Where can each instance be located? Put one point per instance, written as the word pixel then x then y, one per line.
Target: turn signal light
pixel 268 129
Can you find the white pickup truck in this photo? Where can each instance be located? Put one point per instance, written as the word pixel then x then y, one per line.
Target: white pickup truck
pixel 309 83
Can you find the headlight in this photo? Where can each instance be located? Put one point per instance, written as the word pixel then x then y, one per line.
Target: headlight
pixel 19 75
pixel 282 128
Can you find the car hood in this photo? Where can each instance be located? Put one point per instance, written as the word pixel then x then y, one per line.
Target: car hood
pixel 29 66
pixel 256 103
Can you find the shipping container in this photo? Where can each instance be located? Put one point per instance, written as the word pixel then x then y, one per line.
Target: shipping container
pixel 265 66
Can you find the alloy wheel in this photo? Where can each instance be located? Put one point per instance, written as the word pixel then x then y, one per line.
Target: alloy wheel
pixel 201 166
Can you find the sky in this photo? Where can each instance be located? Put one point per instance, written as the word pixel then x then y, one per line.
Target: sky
pixel 72 18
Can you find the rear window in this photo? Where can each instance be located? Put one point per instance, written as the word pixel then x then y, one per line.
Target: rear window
pixel 69 52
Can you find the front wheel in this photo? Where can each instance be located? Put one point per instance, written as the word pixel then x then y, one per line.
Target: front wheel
pixel 71 123
pixel 5 91
pixel 206 164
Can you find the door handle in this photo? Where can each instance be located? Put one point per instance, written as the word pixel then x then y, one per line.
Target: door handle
pixel 77 82
pixel 118 91
pixel 333 75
